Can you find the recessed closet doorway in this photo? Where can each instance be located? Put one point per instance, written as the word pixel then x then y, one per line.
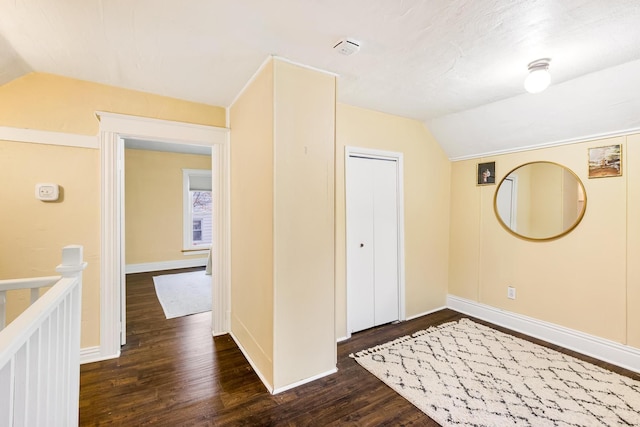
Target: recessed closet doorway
pixel 375 238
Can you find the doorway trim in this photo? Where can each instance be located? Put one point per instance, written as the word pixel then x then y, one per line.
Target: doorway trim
pixel 113 129
pixel 369 153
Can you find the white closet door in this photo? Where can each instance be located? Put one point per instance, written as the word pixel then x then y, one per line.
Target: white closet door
pixel 385 232
pixel 360 255
pixel 372 242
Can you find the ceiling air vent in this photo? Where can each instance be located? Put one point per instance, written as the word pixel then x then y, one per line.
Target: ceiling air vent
pixel 347 47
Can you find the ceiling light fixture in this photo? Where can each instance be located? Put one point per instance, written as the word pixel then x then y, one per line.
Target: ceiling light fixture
pixel 539 77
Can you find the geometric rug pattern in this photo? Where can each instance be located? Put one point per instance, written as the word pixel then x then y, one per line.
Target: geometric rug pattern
pixel 466 374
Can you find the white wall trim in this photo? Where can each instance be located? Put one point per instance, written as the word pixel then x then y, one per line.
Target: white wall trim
pixel 399 158
pixel 165 265
pixel 609 351
pixel 264 64
pixel 570 141
pixel 113 129
pixel 93 354
pixel 266 383
pixel 48 137
pixel 305 381
pixel 111 246
pixel 161 130
pixel 415 316
pixel 308 67
pixel 247 84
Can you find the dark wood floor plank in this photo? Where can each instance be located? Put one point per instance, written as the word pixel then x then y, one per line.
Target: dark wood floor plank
pixel 174 373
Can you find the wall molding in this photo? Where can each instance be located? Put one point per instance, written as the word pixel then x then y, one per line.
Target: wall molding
pixel 266 383
pixel 306 380
pixel 48 137
pixel 398 157
pixel 113 129
pixel 93 354
pixel 609 351
pixel 578 140
pixel 165 265
pixel 415 316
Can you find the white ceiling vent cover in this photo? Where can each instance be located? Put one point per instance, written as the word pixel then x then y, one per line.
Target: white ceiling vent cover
pixel 347 47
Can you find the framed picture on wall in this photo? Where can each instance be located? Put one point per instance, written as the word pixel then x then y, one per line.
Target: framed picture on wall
pixel 486 173
pixel 605 161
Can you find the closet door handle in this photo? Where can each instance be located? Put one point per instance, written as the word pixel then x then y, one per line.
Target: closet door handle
pixel 362 245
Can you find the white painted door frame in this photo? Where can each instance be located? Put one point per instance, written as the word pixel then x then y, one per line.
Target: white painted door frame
pixel 113 129
pixel 384 155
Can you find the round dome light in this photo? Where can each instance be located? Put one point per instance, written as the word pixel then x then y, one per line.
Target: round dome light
pixel 539 77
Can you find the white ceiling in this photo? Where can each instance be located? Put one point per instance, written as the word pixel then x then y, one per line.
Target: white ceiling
pixel 457 65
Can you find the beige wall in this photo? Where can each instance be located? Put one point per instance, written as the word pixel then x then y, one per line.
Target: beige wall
pixel 154 202
pixel 426 200
pixel 631 152
pixel 33 232
pixel 251 122
pixel 282 252
pixel 305 343
pixel 586 280
pixel 60 104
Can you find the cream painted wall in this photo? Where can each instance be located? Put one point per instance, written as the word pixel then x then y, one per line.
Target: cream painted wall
pixel 60 104
pixel 252 175
pixel 154 202
pixel 427 173
pixel 282 250
pixel 47 102
pixel 586 280
pixel 631 153
pixel 33 232
pixel 304 333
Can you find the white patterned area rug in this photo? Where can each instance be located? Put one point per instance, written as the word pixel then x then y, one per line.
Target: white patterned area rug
pixel 466 374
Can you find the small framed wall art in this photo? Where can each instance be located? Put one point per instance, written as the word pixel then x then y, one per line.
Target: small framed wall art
pixel 605 161
pixel 486 173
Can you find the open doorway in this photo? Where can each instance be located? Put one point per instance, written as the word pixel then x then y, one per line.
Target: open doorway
pixel 168 223
pixel 114 130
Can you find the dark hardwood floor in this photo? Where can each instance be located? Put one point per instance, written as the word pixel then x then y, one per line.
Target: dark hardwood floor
pixel 174 373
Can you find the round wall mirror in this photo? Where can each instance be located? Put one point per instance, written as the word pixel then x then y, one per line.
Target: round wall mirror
pixel 540 201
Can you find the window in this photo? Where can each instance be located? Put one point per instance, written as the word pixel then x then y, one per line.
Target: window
pixel 197 230
pixel 198 207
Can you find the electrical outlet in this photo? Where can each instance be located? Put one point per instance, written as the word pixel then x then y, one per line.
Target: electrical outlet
pixel 511 292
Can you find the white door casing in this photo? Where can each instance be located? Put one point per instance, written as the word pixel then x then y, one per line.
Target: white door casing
pixel 383 260
pixel 113 129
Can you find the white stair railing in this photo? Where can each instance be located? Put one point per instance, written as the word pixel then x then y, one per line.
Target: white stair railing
pixel 15 284
pixel 40 351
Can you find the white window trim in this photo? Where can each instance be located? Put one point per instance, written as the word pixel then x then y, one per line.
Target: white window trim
pixel 187 223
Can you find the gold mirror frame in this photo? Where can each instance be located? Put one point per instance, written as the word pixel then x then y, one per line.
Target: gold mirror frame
pixel 566 230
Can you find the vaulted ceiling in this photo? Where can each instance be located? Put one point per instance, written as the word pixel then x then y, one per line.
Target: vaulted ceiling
pixel 456 65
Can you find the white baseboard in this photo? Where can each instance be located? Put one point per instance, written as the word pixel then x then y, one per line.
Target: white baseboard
pixel 266 383
pixel 304 381
pixel 609 351
pixel 425 313
pixel 415 316
pixel 255 368
pixel 92 354
pixel 165 265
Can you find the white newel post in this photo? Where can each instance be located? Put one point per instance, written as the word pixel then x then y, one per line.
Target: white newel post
pixel 72 266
